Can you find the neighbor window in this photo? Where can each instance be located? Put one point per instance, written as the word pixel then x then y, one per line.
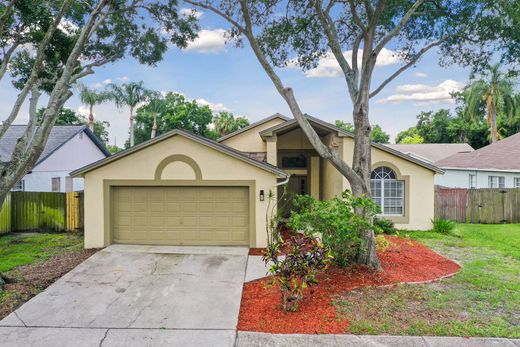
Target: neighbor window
pixel 472 181
pixel 387 191
pixel 19 187
pixel 56 184
pixel 497 182
pixel 517 182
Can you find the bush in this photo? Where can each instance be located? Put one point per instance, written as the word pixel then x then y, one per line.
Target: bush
pixel 443 226
pixel 336 221
pixel 382 243
pixel 385 226
pixel 305 256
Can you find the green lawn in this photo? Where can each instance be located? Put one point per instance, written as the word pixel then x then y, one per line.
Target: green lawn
pixel 19 249
pixel 483 299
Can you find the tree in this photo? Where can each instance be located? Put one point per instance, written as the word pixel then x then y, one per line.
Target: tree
pixel 172 111
pixel 49 46
pixel 492 91
pixel 130 95
pixel 377 136
pixel 226 123
pixel 414 139
pixel 91 98
pixel 278 30
pixel 69 117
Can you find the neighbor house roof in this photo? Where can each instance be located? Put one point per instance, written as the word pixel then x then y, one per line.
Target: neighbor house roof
pixel 503 155
pixel 60 135
pixel 291 124
pixel 252 125
pixel 432 152
pixel 197 138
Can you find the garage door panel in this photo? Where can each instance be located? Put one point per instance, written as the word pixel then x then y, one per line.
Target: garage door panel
pixel 181 215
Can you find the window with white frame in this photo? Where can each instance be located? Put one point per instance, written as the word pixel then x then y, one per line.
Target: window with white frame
pixel 387 191
pixel 56 184
pixel 496 182
pixel 472 181
pixel 19 187
pixel 517 182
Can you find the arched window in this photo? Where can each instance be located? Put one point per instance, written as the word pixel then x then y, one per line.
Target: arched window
pixel 387 191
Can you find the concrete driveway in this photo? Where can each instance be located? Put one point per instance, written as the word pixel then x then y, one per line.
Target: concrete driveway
pixel 137 295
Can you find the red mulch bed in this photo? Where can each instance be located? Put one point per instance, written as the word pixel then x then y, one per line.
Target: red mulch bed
pixel 404 261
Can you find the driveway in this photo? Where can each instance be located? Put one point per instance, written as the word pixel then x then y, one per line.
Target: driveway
pixel 133 295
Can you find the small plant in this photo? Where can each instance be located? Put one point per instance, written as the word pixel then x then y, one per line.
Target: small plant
pixel 382 243
pixel 336 221
pixel 385 226
pixel 443 226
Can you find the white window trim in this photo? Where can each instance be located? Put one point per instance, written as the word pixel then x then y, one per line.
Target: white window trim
pixel 382 197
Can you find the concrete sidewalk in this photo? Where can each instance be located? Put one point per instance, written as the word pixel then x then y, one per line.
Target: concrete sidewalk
pixel 279 340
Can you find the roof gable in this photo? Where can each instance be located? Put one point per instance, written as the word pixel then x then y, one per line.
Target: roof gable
pixel 59 136
pixel 177 132
pixel 502 155
pixel 254 125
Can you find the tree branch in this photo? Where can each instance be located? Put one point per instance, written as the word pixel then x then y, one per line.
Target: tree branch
pixel 5 15
pixel 404 67
pixel 7 58
pixel 218 12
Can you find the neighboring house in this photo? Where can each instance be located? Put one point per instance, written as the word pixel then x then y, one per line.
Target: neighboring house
pixel 494 166
pixel 68 148
pixel 183 189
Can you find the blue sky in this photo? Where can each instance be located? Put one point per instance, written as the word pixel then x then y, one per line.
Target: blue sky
pixel 229 78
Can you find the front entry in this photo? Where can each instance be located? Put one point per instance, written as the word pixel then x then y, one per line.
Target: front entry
pixel 297 185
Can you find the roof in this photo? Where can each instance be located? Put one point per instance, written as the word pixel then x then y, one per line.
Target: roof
pixel 503 155
pixel 432 152
pixel 289 125
pixel 197 138
pixel 252 125
pixel 59 135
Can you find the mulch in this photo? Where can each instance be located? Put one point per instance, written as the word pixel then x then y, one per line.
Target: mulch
pixel 404 261
pixel 24 282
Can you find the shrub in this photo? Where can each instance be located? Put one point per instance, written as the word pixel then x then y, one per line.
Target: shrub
pixel 305 257
pixel 336 221
pixel 385 226
pixel 443 226
pixel 382 243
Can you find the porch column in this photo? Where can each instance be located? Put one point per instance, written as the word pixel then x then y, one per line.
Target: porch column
pixel 271 150
pixel 315 177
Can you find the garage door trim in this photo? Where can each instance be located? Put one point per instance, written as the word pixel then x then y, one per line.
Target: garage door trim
pixel 107 198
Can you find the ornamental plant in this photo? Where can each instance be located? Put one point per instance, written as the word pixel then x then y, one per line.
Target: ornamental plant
pixel 337 221
pixel 294 262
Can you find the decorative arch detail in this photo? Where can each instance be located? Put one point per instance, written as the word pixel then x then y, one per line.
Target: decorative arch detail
pixel 182 158
pixel 389 165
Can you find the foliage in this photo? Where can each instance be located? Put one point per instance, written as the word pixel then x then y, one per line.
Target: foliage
pixel 69 117
pixel 226 123
pixel 114 149
pixel 336 221
pixel 382 243
pixel 384 225
pixel 443 226
pixel 377 135
pixel 173 111
pixel 305 257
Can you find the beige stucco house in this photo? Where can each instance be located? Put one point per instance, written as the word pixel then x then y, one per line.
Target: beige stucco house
pixel 183 189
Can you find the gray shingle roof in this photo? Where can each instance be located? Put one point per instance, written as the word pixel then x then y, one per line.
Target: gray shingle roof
pixel 59 135
pixel 501 155
pixel 432 152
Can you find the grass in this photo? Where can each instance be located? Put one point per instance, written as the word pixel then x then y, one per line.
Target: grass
pixel 22 249
pixel 483 299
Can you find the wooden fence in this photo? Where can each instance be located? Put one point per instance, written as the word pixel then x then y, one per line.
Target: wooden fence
pixel 42 211
pixel 487 205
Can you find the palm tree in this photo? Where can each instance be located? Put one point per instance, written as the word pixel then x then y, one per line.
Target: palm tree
pixel 493 91
pixel 91 98
pixel 130 95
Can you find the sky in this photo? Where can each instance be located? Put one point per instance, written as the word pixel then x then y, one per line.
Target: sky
pixel 228 78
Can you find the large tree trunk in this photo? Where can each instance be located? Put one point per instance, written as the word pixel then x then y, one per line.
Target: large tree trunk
pixel 492 118
pixel 91 119
pixel 361 164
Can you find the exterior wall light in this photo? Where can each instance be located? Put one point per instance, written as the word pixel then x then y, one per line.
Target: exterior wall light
pixel 262 195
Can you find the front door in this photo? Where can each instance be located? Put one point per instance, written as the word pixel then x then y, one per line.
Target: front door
pixel 297 185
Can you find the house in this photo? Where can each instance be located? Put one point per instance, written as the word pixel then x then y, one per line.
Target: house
pixel 68 148
pixel 494 166
pixel 183 189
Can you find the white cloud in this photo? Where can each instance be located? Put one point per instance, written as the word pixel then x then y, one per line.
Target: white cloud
pixel 329 67
pixel 420 74
pixel 67 27
pixel 124 78
pixel 107 81
pixel 215 107
pixel 423 94
pixel 191 11
pixel 208 41
pixel 83 110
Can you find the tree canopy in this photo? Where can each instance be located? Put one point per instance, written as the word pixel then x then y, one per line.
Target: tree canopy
pixel 377 135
